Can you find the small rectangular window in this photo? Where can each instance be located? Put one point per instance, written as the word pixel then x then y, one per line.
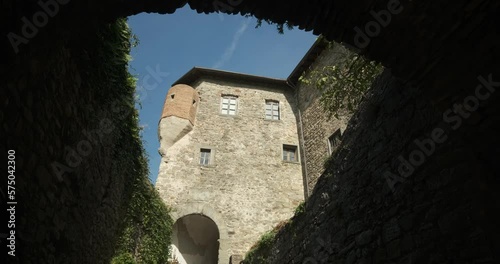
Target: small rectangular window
pixel 334 141
pixel 272 110
pixel 228 105
pixel 205 156
pixel 290 153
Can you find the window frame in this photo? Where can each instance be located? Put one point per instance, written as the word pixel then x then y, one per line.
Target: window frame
pixel 271 103
pixel 337 136
pixel 228 110
pixel 289 148
pixel 204 157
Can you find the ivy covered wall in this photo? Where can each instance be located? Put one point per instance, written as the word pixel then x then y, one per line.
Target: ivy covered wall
pixel 83 194
pixel 147 228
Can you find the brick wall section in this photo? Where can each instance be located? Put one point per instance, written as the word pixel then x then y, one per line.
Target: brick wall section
pixel 316 126
pixel 184 103
pixel 248 185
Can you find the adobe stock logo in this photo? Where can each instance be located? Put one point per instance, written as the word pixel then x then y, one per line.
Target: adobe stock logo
pixel 40 19
pixel 372 29
pixel 452 117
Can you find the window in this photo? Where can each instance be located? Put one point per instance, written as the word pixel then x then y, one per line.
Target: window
pixel 334 142
pixel 290 153
pixel 205 155
pixel 228 105
pixel 272 110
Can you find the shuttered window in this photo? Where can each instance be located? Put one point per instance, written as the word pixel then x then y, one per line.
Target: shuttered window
pixel 272 110
pixel 228 105
pixel 290 153
pixel 334 142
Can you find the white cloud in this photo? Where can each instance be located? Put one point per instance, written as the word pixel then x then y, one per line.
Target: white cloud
pixel 228 53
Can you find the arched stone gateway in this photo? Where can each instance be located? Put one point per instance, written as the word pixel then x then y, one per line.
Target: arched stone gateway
pixel 195 240
pixel 199 223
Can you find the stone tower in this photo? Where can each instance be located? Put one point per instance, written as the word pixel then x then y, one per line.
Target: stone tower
pixel 230 165
pixel 239 153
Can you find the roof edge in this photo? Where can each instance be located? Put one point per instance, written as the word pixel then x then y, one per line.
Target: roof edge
pixel 197 73
pixel 309 58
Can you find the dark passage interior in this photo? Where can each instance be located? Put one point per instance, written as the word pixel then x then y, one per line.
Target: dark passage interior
pixel 71 73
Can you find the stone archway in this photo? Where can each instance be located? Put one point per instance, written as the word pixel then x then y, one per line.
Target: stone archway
pixel 195 240
pixel 442 46
pixel 204 210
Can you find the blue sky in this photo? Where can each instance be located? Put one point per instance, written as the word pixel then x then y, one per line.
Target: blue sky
pixel 170 45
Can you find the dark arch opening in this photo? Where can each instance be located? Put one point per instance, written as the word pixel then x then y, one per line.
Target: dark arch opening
pixel 452 51
pixel 195 240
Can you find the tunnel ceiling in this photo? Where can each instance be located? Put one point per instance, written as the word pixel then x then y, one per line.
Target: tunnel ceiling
pixel 421 40
pixel 420 36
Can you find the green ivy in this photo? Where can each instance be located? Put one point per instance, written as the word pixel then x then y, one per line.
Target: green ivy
pixel 261 249
pixel 344 84
pixel 279 26
pixel 125 258
pixel 300 209
pixel 259 252
pixel 146 227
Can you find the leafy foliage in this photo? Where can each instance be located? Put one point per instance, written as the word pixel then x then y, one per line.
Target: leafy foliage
pixel 125 258
pixel 343 84
pixel 146 226
pixel 300 209
pixel 279 26
pixel 261 249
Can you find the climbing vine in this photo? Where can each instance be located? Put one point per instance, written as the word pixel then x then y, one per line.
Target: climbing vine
pixel 261 249
pixel 343 83
pixel 146 226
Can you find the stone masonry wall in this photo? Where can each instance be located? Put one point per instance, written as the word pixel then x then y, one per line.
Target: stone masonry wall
pixel 442 212
pixel 43 91
pixel 248 187
pixel 69 118
pixel 316 126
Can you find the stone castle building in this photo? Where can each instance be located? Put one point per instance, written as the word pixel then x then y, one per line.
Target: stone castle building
pixel 239 154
